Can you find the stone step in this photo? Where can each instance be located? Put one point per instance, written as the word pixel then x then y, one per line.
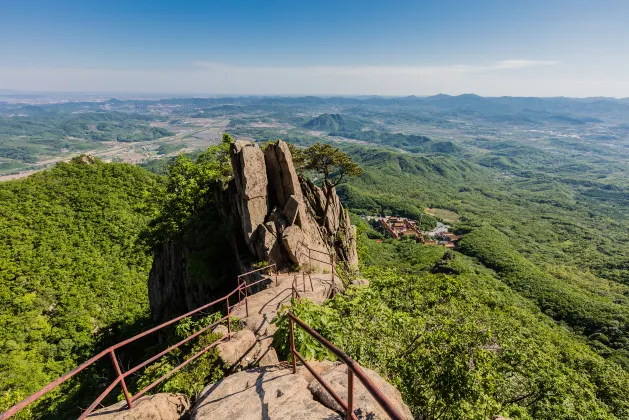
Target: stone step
pixel 261 393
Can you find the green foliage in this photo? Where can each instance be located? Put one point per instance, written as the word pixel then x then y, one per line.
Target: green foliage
pixel 202 371
pixel 319 318
pixel 536 229
pixel 331 163
pixel 587 312
pixel 71 273
pixel 462 344
pixel 190 190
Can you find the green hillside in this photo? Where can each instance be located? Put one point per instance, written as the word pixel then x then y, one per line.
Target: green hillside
pixel 71 275
pixel 332 123
pixel 542 234
pixel 459 343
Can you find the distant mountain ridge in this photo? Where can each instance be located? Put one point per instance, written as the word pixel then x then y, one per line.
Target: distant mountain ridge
pixel 326 122
pixel 332 123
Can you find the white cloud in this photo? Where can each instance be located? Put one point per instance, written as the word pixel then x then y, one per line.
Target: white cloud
pixel 508 77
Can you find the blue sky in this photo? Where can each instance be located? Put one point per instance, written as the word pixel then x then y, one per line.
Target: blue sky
pixel 508 47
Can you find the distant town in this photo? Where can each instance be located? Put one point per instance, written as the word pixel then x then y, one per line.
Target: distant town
pixel 400 227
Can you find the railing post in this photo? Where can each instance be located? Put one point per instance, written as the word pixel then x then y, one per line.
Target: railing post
pixel 229 327
pixel 292 344
pixel 332 266
pixel 122 382
pixel 303 278
pixel 350 393
pixel 276 276
pixel 246 300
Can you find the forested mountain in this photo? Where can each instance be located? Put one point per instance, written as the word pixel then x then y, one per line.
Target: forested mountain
pixel 550 242
pixel 72 277
pixel 332 123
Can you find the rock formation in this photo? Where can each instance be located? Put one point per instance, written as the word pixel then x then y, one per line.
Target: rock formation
pixel 267 213
pixel 279 212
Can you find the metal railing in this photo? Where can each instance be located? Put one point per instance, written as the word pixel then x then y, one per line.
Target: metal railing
pixel 353 369
pixel 310 251
pixel 243 285
pixel 121 376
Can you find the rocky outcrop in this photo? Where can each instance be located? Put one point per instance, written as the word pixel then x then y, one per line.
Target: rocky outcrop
pixel 162 406
pixel 290 232
pixel 188 273
pixel 366 405
pixel 267 213
pixel 261 393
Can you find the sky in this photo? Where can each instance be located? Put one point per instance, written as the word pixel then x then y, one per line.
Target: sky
pixel 572 48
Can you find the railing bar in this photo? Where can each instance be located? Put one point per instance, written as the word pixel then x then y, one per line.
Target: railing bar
pixel 256 270
pixel 322 262
pixel 323 383
pixel 167 375
pixel 52 385
pixel 351 364
pixel 246 285
pixel 125 391
pixel 350 393
pixel 171 348
pixel 99 399
pixel 172 321
pixel 312 249
pixel 26 401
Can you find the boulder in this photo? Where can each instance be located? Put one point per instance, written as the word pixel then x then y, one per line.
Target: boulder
pixel 318 366
pixel 292 239
pixel 240 351
pixel 268 355
pixel 164 406
pixel 260 324
pixel 291 210
pixel 365 406
pixel 220 329
pixel 265 240
pixel 260 393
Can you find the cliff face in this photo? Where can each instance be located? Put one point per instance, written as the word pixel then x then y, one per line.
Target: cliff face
pixel 268 213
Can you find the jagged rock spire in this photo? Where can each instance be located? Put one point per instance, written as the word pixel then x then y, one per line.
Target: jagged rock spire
pixel 278 210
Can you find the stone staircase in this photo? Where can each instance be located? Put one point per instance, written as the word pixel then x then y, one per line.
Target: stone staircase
pixel 260 386
pixel 252 346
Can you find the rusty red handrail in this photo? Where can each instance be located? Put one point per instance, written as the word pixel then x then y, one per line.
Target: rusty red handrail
pixel 120 376
pixel 242 281
pixel 353 369
pixel 310 258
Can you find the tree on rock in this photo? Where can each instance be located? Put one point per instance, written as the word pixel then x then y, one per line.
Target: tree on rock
pixel 333 165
